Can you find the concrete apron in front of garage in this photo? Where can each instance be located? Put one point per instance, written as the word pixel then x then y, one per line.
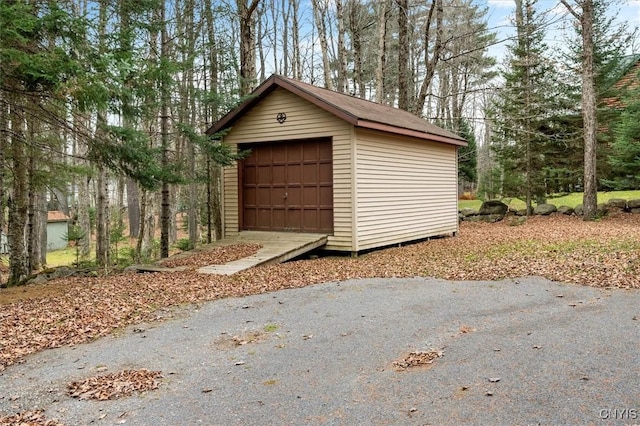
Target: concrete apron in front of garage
pixel 277 247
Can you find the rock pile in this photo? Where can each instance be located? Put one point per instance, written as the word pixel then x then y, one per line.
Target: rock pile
pixel 496 210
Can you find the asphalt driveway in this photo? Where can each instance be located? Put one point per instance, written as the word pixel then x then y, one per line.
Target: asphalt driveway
pixel 525 351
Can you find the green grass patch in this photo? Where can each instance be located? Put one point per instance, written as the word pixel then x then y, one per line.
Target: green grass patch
pixel 270 328
pixel 571 200
pixel 63 257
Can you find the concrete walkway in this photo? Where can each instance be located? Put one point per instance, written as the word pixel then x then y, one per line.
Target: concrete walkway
pixel 277 247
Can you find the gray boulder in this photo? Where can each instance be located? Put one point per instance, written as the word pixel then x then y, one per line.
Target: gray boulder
pixel 633 204
pixel 466 212
pixel 493 207
pixel 617 203
pixel 544 209
pixel 491 218
pixel 602 209
pixel 565 210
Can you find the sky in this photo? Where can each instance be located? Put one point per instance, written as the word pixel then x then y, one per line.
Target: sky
pixel 501 11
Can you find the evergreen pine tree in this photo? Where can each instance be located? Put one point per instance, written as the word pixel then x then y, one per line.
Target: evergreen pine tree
pixel 521 114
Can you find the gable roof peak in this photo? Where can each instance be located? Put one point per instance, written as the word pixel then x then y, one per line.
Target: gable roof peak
pixel 356 111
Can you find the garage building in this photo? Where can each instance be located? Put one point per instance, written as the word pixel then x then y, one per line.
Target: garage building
pixel 366 174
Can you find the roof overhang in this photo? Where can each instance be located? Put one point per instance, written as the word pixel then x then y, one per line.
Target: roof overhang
pixel 409 132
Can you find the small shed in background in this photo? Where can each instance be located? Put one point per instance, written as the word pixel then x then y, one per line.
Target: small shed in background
pixel 368 175
pixel 57 230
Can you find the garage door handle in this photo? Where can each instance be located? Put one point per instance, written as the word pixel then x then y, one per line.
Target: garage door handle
pixel 286 194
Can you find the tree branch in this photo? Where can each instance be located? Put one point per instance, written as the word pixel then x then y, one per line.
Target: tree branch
pixel 571 10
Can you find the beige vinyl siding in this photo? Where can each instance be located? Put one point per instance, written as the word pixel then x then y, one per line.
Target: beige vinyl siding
pixel 304 120
pixel 406 189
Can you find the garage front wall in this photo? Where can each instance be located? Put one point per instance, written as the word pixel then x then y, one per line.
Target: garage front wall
pixel 406 189
pixel 304 120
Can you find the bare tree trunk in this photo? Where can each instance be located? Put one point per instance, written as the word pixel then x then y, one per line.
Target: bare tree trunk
pixel 382 37
pixel 18 201
pixel 247 45
pixel 403 54
pixel 42 216
pixel 141 226
pixel 262 33
pixel 133 208
pixel 217 211
pixel 102 219
pixel 286 12
pixel 297 60
pixel 318 13
pixel 84 220
pixel 102 202
pixel 355 28
pixel 4 132
pixel 84 199
pixel 149 227
pixel 37 202
pixel 590 195
pixel 430 62
pixel 342 85
pixel 165 215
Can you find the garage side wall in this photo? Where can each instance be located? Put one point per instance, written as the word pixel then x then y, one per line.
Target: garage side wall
pixel 406 189
pixel 304 120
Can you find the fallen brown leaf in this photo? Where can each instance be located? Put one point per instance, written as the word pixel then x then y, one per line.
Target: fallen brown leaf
pixel 28 418
pixel 415 359
pixel 114 385
pixel 216 256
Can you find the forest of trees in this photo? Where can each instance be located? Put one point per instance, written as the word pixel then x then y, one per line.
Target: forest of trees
pixel 104 103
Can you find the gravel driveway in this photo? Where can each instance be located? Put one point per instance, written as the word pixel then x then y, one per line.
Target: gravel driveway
pixel 524 351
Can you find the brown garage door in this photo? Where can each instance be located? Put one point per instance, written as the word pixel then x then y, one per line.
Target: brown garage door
pixel 287 186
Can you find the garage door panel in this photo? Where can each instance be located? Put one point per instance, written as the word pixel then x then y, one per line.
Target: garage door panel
pixel 279 197
pixel 309 173
pixel 294 219
pixel 288 186
pixel 278 218
pixel 263 197
pixel 279 174
pixel 326 219
pixel 310 197
pixel 294 196
pixel 310 219
pixel 310 153
pixel 325 153
pixel 250 199
pixel 294 174
pixel 325 174
pixel 294 153
pixel 278 154
pixel 325 197
pixel 250 176
pixel 264 175
pixel 263 218
pixel 250 218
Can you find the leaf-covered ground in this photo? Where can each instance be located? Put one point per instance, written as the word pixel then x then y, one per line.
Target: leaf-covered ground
pixel 114 385
pixel 605 253
pixel 217 256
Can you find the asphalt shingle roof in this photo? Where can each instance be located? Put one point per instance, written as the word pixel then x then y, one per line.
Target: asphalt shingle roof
pixel 359 112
